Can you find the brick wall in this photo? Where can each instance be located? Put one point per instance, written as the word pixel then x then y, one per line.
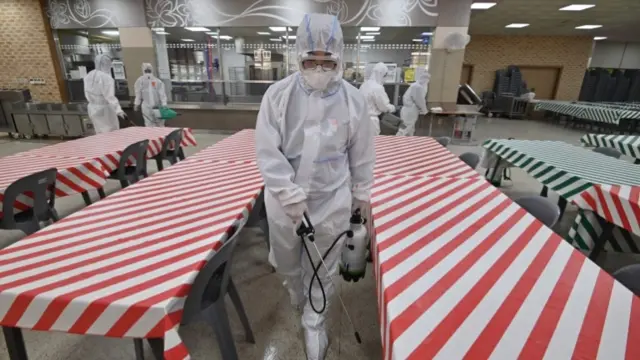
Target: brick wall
pixel 490 53
pixel 24 49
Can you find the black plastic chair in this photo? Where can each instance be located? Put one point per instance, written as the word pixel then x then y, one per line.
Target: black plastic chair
pixel 444 140
pixel 41 187
pixel 206 300
pixel 629 276
pixel 608 151
pixel 131 174
pixel 471 159
pixel 171 149
pixel 541 208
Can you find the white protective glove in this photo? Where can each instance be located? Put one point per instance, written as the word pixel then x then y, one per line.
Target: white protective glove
pixel 295 211
pixel 122 115
pixel 136 108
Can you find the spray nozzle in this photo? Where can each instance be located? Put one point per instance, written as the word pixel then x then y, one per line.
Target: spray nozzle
pixel 357 218
pixel 306 228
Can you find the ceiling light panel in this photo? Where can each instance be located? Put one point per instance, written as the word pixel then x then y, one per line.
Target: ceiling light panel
pixel 482 5
pixel 598 38
pixel 187 40
pixel 263 33
pixel 365 29
pixel 198 28
pixel 279 28
pixel 577 7
pixel 373 33
pixel 517 26
pixel 366 37
pixel 111 32
pixel 588 27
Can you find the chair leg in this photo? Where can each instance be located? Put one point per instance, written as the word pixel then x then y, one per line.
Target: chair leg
pixel 545 191
pixel 159 163
pixel 181 153
pixel 237 303
pixel 101 193
pixel 86 198
pixel 562 204
pixel 139 349
pixel 157 347
pixel 53 215
pixel 216 316
pixel 124 183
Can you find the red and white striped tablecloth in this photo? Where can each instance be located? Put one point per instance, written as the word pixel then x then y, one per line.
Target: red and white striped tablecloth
pixel 74 175
pixel 464 273
pixel 240 146
pixel 424 156
pixel 107 147
pixel 122 267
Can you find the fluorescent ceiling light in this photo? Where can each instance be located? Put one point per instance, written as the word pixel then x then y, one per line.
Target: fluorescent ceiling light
pixel 187 40
pixel 373 33
pixel 426 34
pixel 111 32
pixel 366 37
pixel 198 28
pixel 588 27
pixel 417 40
pixel 365 29
pixel 279 28
pixel 517 26
pixel 577 7
pixel 276 39
pixel 482 5
pixel 368 40
pixel 263 33
pixel 596 38
pixel 162 33
pixel 224 37
pixel 157 29
pixel 290 37
pixel 212 33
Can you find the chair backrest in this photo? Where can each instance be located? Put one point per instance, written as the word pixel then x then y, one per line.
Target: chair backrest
pixel 444 140
pixel 471 159
pixel 173 141
pixel 137 151
pixel 541 208
pixel 608 151
pixel 41 187
pixel 629 276
pixel 213 279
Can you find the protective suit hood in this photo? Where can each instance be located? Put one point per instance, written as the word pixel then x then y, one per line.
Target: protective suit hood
pixel 378 73
pixel 103 63
pixel 147 67
pixel 424 78
pixel 321 32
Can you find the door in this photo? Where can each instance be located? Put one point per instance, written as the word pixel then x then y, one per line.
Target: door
pixel 543 79
pixel 465 75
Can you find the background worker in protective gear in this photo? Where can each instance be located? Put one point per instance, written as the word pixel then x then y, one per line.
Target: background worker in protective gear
pixel 314 143
pixel 414 103
pixel 99 89
pixel 150 93
pixel 377 99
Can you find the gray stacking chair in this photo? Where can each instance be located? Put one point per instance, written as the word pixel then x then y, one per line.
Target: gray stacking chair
pixel 41 186
pixel 206 301
pixel 629 276
pixel 171 149
pixel 471 159
pixel 608 151
pixel 444 140
pixel 131 174
pixel 541 208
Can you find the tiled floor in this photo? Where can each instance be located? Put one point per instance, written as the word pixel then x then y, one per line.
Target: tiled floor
pixel 275 324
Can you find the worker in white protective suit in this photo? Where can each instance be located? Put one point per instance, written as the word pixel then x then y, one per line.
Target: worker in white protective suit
pixel 99 89
pixel 377 99
pixel 414 103
pixel 314 144
pixel 150 95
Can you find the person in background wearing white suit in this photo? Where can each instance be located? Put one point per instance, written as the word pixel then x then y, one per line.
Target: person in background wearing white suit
pixel 99 89
pixel 414 103
pixel 314 144
pixel 150 95
pixel 377 99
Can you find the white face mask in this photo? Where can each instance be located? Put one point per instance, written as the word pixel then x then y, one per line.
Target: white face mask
pixel 318 79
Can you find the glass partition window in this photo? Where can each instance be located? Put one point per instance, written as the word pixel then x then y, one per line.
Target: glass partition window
pixel 78 49
pixel 237 64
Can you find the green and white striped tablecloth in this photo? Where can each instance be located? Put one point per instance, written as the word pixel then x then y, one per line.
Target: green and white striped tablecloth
pixel 626 144
pixel 560 107
pixel 566 169
pixel 604 113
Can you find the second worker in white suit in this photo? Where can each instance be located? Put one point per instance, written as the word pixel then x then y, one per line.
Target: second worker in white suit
pixel 377 99
pixel 414 103
pixel 150 95
pixel 314 143
pixel 99 89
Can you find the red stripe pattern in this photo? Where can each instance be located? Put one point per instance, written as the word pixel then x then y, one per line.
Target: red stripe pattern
pixel 618 204
pixel 463 272
pixel 122 267
pixel 415 155
pixel 241 147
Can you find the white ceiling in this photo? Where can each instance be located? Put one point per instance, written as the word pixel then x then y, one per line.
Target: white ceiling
pixel 620 19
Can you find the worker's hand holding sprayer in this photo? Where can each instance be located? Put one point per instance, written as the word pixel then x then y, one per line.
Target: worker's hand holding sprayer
pixel 365 211
pixel 295 212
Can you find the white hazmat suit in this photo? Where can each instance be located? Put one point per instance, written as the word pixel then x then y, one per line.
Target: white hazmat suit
pixel 99 89
pixel 414 103
pixel 377 99
pixel 314 143
pixel 150 95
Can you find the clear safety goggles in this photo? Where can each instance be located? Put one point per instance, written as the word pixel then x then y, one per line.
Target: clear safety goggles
pixel 325 62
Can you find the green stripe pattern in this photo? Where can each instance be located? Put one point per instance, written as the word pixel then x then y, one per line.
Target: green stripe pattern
pixel 604 113
pixel 626 144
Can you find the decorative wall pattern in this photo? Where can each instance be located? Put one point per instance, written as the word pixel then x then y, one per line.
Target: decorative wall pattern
pixel 73 14
pixel 181 13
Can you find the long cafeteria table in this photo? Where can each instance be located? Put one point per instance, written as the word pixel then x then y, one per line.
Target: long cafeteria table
pixel 572 172
pixel 627 144
pixel 463 272
pixel 122 267
pixel 83 164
